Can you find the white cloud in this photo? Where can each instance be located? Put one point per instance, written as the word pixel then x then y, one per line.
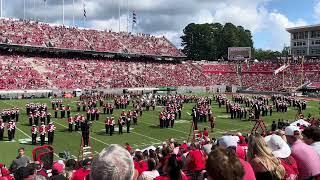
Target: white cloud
pixel 278 23
pixel 316 10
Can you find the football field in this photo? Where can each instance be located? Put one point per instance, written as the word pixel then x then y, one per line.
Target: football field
pixel 145 134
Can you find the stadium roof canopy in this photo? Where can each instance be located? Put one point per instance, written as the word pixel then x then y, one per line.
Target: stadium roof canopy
pixel 315 27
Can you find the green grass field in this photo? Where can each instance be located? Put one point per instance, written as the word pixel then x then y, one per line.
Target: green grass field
pixel 144 134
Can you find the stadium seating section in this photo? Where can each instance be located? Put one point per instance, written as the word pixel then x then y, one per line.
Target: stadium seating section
pixel 19 72
pixel 44 35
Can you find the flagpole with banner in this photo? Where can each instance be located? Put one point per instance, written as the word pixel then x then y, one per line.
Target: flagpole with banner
pixel 84 13
pixel 134 20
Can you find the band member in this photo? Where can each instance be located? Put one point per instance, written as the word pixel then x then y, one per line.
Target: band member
pixel 56 112
pixel 179 112
pixel 162 119
pixel 68 111
pixel 135 117
pixel 111 108
pixel 88 114
pixel 128 122
pixel 2 126
pixel 97 114
pixel 106 124
pixel 111 125
pixel 212 122
pixel 36 118
pixel 78 106
pixel 104 108
pixel 30 119
pixel 42 131
pixel 168 118
pixel 84 106
pixel 14 128
pixel 34 132
pixel 17 114
pixel 93 114
pixel 77 122
pixel 172 120
pixel 85 128
pixel 43 117
pixel 120 124
pixel 10 131
pixel 48 118
pixel 70 122
pixel 194 118
pixel 51 129
pixel 63 112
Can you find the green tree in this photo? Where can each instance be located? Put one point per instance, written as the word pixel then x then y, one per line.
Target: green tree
pixel 211 41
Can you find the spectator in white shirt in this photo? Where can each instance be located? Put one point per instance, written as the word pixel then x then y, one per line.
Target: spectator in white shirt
pixel 152 172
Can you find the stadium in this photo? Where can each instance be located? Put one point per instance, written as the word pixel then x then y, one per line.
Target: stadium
pixel 82 103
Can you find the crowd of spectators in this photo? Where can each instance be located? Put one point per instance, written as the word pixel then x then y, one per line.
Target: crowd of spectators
pixel 25 32
pixel 22 72
pixel 17 74
pixel 260 75
pixel 290 153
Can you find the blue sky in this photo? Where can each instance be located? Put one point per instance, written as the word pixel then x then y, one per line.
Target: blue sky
pixel 305 11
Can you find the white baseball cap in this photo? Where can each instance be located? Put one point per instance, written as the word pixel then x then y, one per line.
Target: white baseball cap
pixel 292 131
pixel 227 141
pixel 279 147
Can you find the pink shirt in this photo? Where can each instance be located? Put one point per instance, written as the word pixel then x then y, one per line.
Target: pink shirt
pixel 307 159
pixel 248 171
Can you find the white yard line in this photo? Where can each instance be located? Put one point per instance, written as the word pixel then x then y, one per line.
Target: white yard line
pixel 80 134
pixel 31 138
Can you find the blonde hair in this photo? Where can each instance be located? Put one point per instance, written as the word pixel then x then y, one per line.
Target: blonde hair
pixel 257 148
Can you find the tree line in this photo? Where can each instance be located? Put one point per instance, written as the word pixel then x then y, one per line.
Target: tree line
pixel 210 41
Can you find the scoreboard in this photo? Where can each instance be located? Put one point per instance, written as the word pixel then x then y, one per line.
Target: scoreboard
pixel 239 53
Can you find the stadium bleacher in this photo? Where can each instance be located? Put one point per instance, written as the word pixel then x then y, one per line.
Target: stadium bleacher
pixel 24 32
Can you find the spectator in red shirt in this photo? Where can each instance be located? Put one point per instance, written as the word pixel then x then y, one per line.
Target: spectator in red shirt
pixel 128 147
pixel 140 165
pixel 195 159
pixel 83 172
pixel 184 145
pixel 205 132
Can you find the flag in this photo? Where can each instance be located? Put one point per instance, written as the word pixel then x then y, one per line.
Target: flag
pixel 84 10
pixel 134 17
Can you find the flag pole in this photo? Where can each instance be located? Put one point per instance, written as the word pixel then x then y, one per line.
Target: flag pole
pixel 62 12
pixel 119 11
pixel 45 8
pixel 1 8
pixel 127 16
pixel 73 13
pixel 24 9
